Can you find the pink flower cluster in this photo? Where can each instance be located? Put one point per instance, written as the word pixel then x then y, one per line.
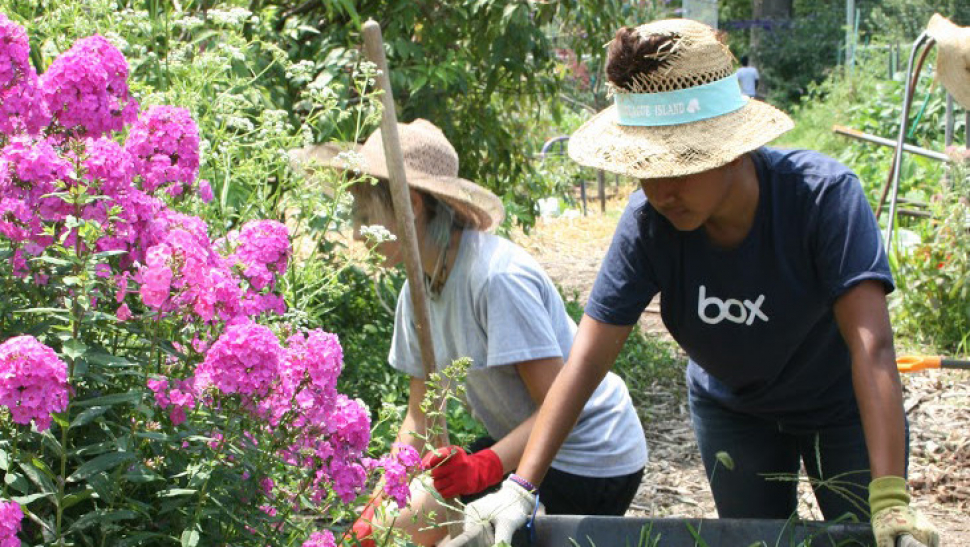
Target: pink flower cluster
pixel 263 251
pixel 86 89
pixel 292 390
pixel 11 516
pixel 22 109
pixel 33 381
pixel 320 539
pixel 177 394
pixel 244 360
pixel 399 466
pixel 164 144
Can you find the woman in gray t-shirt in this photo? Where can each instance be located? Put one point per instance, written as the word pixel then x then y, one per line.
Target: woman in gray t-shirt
pixel 489 301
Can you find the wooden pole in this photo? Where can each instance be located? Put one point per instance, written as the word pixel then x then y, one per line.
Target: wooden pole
pixel 401 198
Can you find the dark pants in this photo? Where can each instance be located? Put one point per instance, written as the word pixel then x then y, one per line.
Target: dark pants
pixel 566 494
pixel 766 457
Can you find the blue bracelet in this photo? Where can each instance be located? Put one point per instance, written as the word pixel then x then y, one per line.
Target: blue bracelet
pixel 523 483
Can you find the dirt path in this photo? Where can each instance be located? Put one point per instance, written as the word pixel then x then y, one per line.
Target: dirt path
pixel 937 404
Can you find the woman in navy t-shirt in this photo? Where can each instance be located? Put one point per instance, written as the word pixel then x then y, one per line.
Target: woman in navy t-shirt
pixel 772 278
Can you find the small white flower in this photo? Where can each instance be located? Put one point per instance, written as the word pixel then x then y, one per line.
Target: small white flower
pixel 377 233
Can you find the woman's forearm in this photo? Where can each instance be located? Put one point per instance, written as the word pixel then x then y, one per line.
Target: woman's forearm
pixel 593 353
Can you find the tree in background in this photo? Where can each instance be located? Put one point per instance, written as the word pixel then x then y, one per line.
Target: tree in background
pixel 485 71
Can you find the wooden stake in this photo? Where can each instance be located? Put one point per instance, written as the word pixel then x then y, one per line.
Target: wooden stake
pixel 401 198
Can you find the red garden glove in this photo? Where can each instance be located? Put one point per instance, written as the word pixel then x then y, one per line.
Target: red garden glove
pixel 362 531
pixel 456 473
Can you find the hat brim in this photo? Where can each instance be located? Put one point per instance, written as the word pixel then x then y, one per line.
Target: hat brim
pixel 478 207
pixel 953 57
pixel 675 150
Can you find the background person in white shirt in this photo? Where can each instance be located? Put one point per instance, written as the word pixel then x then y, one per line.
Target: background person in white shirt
pixel 748 78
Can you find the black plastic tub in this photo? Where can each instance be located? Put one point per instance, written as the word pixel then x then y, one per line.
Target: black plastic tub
pixel 589 531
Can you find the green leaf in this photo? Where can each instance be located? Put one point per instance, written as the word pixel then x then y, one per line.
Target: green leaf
pixel 103 462
pixel 4 460
pixel 101 517
pixel 175 492
pixel 74 348
pixel 110 400
pixel 52 444
pixel 17 482
pixel 77 497
pixel 24 500
pixel 38 477
pixel 190 538
pixel 88 416
pixel 108 360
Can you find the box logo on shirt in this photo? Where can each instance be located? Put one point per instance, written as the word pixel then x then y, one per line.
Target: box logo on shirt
pixel 732 309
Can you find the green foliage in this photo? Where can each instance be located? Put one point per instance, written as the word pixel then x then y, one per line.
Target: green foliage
pixel 929 306
pixel 644 360
pixel 482 70
pixel 810 45
pixel 901 21
pixel 933 303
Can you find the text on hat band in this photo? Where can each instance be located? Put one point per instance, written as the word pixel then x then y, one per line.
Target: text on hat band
pixel 680 106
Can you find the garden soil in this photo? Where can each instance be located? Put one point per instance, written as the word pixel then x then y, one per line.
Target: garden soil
pixel 937 403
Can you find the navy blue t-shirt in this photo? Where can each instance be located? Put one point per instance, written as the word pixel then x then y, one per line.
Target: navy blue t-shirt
pixel 756 320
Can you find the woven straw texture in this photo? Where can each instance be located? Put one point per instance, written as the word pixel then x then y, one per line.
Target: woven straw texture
pixel 695 57
pixel 952 57
pixel 430 164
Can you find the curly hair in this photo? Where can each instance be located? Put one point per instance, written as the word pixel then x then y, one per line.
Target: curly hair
pixel 631 57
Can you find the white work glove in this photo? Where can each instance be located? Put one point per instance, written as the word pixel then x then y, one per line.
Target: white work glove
pixel 506 510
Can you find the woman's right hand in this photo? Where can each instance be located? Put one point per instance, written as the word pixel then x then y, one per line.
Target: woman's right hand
pixel 496 516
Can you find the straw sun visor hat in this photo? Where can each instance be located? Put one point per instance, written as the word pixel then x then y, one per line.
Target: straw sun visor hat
pixel 952 57
pixel 430 164
pixel 686 116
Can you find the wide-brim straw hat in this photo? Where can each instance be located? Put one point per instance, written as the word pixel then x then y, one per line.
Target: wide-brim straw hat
pixel 696 58
pixel 430 165
pixel 952 57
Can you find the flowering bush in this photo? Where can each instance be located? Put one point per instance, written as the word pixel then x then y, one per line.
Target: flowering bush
pixel 931 306
pixel 10 517
pixel 170 396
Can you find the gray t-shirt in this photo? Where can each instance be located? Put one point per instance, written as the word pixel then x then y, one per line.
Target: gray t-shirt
pixel 499 308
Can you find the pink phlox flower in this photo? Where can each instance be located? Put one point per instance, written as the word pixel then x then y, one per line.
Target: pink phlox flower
pixel 156 277
pixel 310 369
pixel 33 381
pixel 121 286
pixel 263 251
pixel 266 484
pixel 348 424
pixel 398 466
pixel 205 191
pixel 34 169
pixel 245 359
pixel 22 108
pixel 17 221
pixel 346 479
pixel 109 167
pixel 11 517
pixel 86 89
pixel 123 313
pixel 164 143
pixel 320 539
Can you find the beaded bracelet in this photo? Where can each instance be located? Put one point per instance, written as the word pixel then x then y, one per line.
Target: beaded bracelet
pixel 523 483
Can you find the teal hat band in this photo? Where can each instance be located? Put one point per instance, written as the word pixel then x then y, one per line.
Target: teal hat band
pixel 681 106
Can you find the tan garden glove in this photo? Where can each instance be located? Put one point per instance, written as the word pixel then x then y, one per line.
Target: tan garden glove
pixel 892 515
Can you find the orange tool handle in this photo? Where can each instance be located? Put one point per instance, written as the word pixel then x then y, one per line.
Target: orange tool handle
pixel 915 363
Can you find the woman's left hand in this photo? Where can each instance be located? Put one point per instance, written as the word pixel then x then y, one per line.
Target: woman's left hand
pixel 457 473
